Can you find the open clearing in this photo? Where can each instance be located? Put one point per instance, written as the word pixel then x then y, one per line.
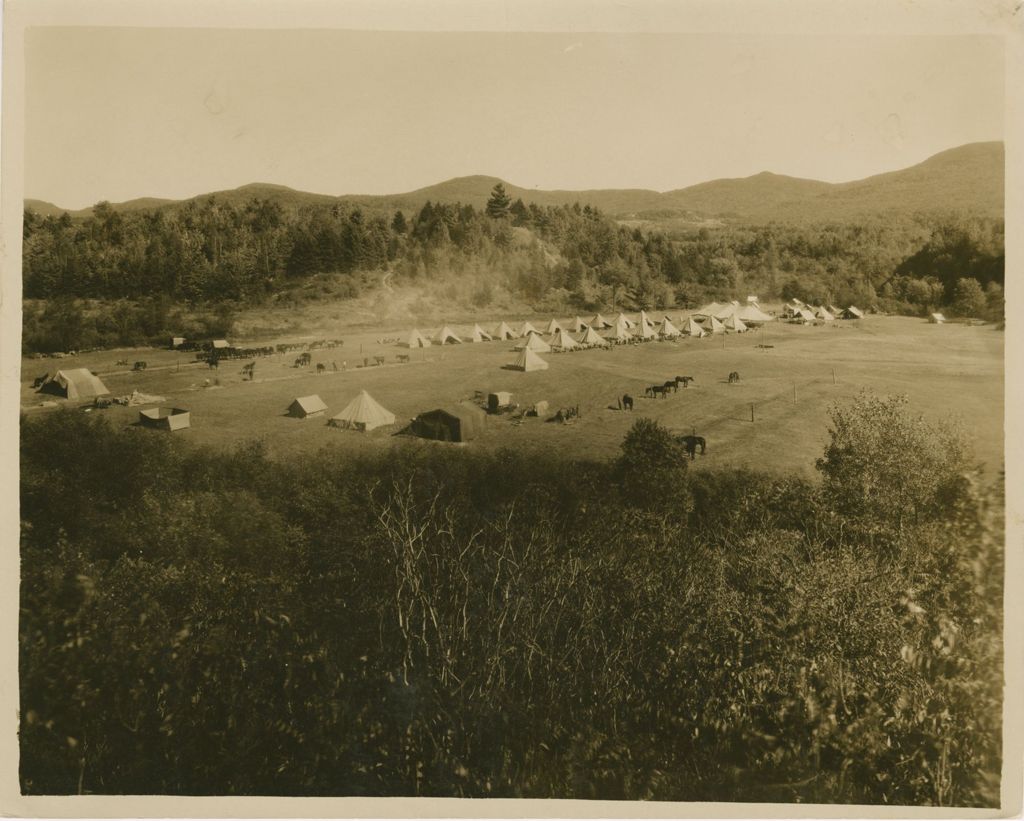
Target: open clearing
pixel 946 370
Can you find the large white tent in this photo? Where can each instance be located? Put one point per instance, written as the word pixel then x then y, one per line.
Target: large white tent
pixel 363 413
pixel 480 335
pixel 75 383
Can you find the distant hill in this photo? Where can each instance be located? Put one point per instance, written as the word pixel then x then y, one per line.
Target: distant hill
pixel 968 178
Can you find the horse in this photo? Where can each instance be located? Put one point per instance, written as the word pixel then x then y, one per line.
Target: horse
pixel 686 380
pixel 734 377
pixel 320 367
pixel 691 443
pixel 654 391
pixel 139 366
pixel 671 385
pixel 303 360
pixel 627 402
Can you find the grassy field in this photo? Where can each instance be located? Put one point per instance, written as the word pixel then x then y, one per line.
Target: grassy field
pixel 945 370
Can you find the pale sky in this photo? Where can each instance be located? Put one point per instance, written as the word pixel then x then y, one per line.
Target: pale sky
pixel 120 113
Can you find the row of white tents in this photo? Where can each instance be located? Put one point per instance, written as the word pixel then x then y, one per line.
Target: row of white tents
pixel 797 311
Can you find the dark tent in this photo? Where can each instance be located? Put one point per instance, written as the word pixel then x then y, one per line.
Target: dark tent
pixel 456 423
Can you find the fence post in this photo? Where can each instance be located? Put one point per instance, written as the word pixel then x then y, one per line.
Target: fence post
pixel 751 411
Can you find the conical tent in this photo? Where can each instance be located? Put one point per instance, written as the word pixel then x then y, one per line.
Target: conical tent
pixel 528 361
pixel 600 322
pixel 75 383
pixel 751 314
pixel 503 331
pixel 592 337
pixel 691 327
pixel 564 341
pixel 363 413
pixel 713 326
pixel 804 315
pixel 578 325
pixel 645 330
pixel 625 320
pixel 667 329
pixel 734 323
pixel 619 333
pixel 823 313
pixel 645 321
pixel 533 342
pixel 528 329
pixel 554 326
pixel 416 340
pixel 480 335
pixel 446 337
pixel 709 310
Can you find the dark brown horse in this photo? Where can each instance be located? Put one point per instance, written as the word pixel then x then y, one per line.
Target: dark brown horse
pixel 627 402
pixel 691 443
pixel 686 380
pixel 734 377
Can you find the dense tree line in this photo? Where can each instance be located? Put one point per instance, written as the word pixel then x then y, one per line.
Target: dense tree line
pixel 568 256
pixel 457 623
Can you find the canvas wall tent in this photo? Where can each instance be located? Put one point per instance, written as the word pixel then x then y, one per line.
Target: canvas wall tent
pixel 600 323
pixel 446 337
pixel 363 413
pixel 667 329
pixel 824 314
pixel 503 331
pixel 563 341
pixel 307 406
pixel 832 309
pixel 853 313
pixel 578 326
pixel 480 335
pixel 221 343
pixel 936 319
pixel 76 383
pixel 498 400
pixel 528 361
pixel 177 341
pixel 591 338
pixel 165 418
pixel 416 340
pixel 805 315
pixel 735 324
pixel 534 342
pixel 726 311
pixel 554 326
pixel 691 327
pixel 456 423
pixel 527 329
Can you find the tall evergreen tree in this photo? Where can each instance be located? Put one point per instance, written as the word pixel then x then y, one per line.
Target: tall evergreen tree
pixel 499 204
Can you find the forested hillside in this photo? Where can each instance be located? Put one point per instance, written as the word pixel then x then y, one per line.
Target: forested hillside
pixel 565 257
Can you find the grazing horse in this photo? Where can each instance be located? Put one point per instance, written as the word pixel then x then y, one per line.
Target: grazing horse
pixel 139 366
pixel 686 380
pixel 627 402
pixel 691 444
pixel 303 360
pixel 671 385
pixel 320 367
pixel 734 377
pixel 654 391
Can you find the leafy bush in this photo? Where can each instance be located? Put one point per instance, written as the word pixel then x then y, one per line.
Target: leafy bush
pixel 429 622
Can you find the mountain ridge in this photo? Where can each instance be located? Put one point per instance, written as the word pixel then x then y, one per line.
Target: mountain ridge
pixel 967 177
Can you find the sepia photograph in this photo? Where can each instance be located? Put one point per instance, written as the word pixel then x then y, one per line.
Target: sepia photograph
pixel 587 412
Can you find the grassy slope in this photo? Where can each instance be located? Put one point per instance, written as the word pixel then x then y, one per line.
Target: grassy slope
pixel 950 369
